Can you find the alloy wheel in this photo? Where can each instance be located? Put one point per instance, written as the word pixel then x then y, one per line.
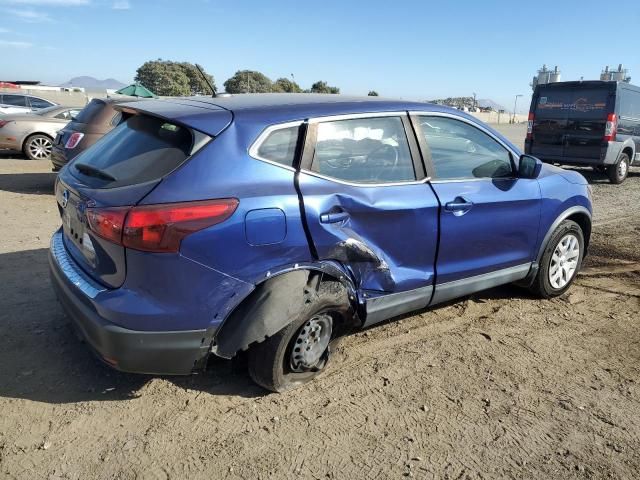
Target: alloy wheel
pixel 40 148
pixel 564 261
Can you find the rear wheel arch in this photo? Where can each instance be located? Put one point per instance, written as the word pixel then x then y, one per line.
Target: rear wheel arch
pixel 630 153
pixel 270 306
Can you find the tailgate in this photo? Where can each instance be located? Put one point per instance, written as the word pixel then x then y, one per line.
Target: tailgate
pixel 119 171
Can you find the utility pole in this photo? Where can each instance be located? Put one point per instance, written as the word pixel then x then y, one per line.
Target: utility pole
pixel 515 103
pixel 475 104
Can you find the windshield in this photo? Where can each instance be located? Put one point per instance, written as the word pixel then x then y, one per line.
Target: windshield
pixel 139 150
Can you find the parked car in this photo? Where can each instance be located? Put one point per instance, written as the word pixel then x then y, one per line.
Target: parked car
pixel 275 223
pixel 20 103
pixel 96 119
pixel 33 133
pixel 594 123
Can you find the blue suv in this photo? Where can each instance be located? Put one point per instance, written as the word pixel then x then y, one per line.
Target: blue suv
pixel 273 224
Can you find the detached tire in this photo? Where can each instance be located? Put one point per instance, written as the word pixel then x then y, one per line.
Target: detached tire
pixel 38 147
pixel 561 261
pixel 300 351
pixel 618 172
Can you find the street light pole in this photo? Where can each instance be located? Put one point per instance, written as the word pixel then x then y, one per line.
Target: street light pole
pixel 515 103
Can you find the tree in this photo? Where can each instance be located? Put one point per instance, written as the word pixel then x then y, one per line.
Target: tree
pixel 167 78
pixel 248 81
pixel 322 87
pixel 196 82
pixel 286 85
pixel 372 93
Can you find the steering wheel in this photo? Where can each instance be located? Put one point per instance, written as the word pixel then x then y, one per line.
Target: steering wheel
pixel 383 158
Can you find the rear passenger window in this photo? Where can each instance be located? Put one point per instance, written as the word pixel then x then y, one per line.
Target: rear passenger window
pixel 280 146
pixel 14 100
pixel 462 151
pixel 139 150
pixel 364 150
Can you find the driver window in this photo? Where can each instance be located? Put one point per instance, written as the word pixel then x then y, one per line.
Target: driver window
pixel 461 151
pixel 364 150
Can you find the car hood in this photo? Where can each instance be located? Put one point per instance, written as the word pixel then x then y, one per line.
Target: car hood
pixel 570 176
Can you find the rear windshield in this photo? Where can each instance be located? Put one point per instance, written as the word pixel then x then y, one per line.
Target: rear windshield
pixel 91 111
pixel 138 150
pixel 572 103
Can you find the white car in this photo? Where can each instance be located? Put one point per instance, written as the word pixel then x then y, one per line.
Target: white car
pixel 20 103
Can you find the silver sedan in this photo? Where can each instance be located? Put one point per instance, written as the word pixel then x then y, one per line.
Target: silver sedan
pixel 33 133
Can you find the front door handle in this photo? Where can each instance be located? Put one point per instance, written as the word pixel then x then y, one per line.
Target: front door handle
pixel 333 217
pixel 459 206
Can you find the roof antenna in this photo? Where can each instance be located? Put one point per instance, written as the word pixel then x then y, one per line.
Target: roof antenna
pixel 213 90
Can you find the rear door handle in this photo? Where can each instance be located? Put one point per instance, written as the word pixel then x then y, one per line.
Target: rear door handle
pixel 333 217
pixel 459 206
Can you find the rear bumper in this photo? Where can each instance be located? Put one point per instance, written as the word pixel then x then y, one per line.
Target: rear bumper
pixel 58 157
pixel 151 352
pixel 608 155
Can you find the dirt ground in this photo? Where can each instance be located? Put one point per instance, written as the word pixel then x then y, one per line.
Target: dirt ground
pixel 497 385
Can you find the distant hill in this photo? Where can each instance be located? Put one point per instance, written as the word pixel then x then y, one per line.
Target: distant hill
pixel 486 102
pixel 91 83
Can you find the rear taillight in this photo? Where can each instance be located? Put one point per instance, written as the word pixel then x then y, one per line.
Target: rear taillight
pixel 158 228
pixel 3 123
pixel 73 140
pixel 532 117
pixel 611 128
pixel 107 223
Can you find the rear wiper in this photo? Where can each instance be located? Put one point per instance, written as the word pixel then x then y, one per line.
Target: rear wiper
pixel 94 172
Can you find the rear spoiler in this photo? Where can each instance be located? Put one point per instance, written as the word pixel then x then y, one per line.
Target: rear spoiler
pixel 203 117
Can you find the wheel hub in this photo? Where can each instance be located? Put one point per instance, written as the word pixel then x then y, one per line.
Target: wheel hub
pixel 622 169
pixel 310 346
pixel 564 261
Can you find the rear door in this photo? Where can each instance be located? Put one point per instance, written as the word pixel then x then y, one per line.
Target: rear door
pixel 587 118
pixel 570 121
pixel 368 205
pixel 12 103
pixel 489 218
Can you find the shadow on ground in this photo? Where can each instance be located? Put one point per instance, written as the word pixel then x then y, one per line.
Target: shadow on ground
pixel 43 360
pixel 31 183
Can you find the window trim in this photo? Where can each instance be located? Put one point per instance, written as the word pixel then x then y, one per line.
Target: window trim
pixel 311 138
pixel 426 152
pixel 255 146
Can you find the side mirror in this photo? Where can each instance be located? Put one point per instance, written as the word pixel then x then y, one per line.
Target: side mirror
pixel 529 167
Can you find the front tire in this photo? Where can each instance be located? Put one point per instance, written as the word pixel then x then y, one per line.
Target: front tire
pixel 618 172
pixel 561 261
pixel 38 147
pixel 300 351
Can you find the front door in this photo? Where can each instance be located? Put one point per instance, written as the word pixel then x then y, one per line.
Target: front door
pixel 368 205
pixel 489 218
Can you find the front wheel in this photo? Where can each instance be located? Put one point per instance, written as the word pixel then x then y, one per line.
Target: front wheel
pixel 561 261
pixel 300 351
pixel 619 171
pixel 38 147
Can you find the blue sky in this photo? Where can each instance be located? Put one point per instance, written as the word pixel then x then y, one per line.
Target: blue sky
pixel 409 49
